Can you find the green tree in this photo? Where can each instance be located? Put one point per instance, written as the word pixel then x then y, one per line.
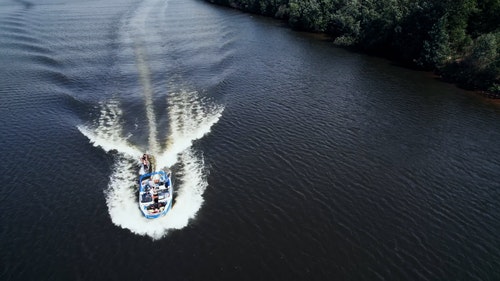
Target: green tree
pixel 311 15
pixel 345 24
pixel 458 38
pixel 436 50
pixel 486 18
pixel 458 13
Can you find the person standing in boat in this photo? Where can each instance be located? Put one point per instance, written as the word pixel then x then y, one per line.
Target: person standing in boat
pixel 155 195
pixel 146 163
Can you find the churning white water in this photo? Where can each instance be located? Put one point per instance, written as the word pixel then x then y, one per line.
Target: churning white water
pixel 191 117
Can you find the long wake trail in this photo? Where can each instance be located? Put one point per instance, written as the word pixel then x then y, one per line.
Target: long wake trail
pixel 190 115
pixel 138 32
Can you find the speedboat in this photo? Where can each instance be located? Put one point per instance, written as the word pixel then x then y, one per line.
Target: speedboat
pixel 155 194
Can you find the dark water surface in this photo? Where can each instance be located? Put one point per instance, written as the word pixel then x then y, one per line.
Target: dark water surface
pixel 292 160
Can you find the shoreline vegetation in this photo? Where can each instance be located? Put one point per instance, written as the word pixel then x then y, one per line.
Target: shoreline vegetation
pixel 459 40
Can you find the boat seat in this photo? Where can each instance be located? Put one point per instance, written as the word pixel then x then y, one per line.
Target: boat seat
pixel 146 198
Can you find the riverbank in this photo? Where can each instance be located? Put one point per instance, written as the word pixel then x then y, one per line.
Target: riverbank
pixel 459 43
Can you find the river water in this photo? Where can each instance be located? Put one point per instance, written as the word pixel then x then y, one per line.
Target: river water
pixel 291 159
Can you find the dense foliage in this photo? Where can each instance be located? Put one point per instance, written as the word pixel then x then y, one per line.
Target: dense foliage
pixel 460 39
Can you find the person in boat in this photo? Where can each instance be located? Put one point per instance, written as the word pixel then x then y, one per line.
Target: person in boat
pixel 153 208
pixel 145 161
pixel 156 181
pixel 155 196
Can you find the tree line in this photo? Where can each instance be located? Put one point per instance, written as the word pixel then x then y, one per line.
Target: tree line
pixel 458 39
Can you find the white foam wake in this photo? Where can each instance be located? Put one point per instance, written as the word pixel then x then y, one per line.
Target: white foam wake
pixel 108 133
pixel 139 41
pixel 191 117
pixel 123 207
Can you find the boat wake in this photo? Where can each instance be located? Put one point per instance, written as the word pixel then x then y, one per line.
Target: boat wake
pixel 191 117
